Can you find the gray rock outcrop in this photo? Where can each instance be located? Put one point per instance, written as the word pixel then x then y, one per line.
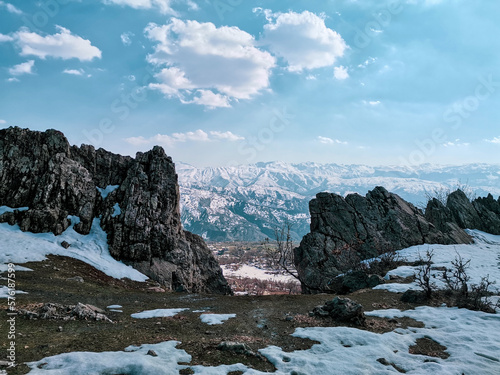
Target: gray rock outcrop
pixel 481 213
pixel 367 226
pixel 141 215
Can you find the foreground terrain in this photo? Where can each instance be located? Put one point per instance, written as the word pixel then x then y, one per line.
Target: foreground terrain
pixel 280 335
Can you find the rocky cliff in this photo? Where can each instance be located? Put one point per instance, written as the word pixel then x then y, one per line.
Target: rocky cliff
pixel 136 201
pixel 367 226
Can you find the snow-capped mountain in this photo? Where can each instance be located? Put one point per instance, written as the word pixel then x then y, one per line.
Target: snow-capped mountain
pixel 248 202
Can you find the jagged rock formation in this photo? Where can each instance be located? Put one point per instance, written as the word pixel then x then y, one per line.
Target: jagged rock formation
pixel 482 213
pixel 141 216
pixel 368 226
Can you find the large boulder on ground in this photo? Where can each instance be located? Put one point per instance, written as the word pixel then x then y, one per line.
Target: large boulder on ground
pixel 342 310
pixel 135 200
pixel 367 226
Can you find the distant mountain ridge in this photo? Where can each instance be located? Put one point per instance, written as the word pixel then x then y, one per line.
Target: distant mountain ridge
pixel 247 202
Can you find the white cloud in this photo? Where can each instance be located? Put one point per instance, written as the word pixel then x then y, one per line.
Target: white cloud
pixel 302 40
pixel 211 99
pixel 64 45
pixel 3 121
pixel 367 62
pixel 162 5
pixel 228 136
pixel 219 63
pixel 23 68
pixel 372 103
pixel 12 79
pixel 76 72
pixel 5 38
pixel 192 136
pixel 11 8
pixel 495 140
pixel 456 143
pixel 126 38
pixel 330 141
pixel 137 141
pixel 340 73
pixel 311 77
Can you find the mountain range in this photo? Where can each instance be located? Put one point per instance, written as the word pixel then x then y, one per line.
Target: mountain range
pixel 248 202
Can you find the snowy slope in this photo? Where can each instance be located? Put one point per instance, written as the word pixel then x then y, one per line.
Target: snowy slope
pixel 21 247
pixel 248 202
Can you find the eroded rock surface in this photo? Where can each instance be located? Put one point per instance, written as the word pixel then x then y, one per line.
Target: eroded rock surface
pixel 141 216
pixel 367 226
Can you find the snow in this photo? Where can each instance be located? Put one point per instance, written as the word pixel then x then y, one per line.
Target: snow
pixel 5 267
pixel 114 307
pixel 484 257
pixel 213 319
pixel 4 292
pixel 4 209
pixel 158 313
pixel 116 210
pixel 21 247
pixel 134 360
pixel 108 189
pixel 255 273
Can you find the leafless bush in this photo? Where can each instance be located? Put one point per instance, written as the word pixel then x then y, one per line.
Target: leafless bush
pixel 423 278
pixel 457 281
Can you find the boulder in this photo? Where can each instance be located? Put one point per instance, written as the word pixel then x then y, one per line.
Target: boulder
pixel 342 310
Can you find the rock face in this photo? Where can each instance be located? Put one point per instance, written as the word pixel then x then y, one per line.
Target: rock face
pixel 482 213
pixel 141 215
pixel 368 226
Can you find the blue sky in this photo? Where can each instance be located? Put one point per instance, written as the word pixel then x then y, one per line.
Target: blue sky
pixel 222 82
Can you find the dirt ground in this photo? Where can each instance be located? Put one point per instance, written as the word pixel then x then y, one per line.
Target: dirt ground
pixel 260 320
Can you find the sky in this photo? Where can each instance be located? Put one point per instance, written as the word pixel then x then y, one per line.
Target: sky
pixel 228 82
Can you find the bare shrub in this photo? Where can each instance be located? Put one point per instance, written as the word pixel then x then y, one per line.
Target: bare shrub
pixel 423 278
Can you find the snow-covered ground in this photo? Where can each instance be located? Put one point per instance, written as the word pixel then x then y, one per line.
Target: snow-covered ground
pixel 21 247
pixel 252 272
pixel 484 256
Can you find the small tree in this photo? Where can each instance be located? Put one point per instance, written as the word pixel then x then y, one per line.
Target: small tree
pixel 281 255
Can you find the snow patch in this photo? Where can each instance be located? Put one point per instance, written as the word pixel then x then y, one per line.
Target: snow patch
pixel 116 210
pixel 108 189
pixel 22 247
pixel 4 209
pixel 213 319
pixel 158 313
